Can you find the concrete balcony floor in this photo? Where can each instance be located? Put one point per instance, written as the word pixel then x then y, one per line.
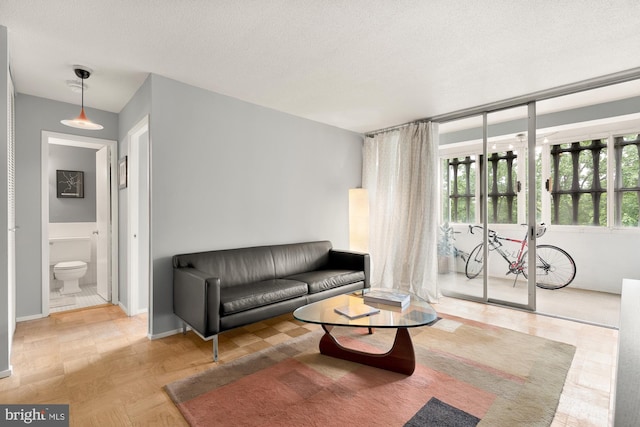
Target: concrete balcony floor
pixel 599 308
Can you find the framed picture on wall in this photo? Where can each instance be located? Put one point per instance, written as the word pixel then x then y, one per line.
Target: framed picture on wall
pixel 122 173
pixel 70 184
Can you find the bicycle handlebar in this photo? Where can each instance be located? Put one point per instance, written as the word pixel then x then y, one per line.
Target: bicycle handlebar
pixel 491 233
pixel 540 230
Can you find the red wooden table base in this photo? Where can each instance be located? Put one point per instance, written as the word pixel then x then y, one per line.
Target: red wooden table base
pixel 401 358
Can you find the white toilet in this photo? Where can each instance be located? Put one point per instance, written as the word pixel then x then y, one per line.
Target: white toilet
pixel 69 257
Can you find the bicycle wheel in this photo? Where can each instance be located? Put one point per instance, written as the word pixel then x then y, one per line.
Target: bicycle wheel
pixel 475 262
pixel 555 268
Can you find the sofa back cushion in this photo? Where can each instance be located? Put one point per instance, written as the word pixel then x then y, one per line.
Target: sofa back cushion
pixel 232 266
pixel 298 258
pixel 251 265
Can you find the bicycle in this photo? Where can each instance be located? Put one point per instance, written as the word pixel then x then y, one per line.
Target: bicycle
pixel 555 268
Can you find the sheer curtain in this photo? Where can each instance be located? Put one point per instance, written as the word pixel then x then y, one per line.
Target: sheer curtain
pixel 400 172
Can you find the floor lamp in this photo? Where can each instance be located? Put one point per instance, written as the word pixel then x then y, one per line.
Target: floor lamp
pixel 359 220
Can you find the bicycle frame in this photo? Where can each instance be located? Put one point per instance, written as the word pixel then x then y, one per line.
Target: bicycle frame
pixel 494 244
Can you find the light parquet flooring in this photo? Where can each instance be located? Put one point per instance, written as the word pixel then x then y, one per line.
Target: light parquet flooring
pixel 101 362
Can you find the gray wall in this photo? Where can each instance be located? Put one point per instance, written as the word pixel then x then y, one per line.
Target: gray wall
pixel 33 115
pixel 62 157
pixel 5 334
pixel 226 173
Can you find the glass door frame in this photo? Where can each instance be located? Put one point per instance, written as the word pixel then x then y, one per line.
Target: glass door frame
pixel 531 195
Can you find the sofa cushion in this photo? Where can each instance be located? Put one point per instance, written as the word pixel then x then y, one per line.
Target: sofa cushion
pixel 239 298
pixel 232 266
pixel 298 258
pixel 321 280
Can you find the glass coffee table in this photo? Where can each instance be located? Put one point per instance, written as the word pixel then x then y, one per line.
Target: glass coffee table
pixel 401 358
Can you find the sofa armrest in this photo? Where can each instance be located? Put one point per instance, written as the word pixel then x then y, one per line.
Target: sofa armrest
pixel 351 261
pixel 196 300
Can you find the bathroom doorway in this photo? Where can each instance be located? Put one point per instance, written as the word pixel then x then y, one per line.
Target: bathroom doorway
pixel 79 226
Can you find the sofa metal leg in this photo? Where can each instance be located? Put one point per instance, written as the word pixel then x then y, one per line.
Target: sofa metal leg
pixel 184 329
pixel 215 348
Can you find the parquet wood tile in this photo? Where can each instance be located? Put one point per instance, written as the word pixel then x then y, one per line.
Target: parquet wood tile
pixel 101 362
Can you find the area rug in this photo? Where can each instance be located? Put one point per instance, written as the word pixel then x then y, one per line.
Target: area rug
pixel 468 374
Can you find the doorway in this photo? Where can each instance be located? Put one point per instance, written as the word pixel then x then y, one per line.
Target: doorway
pixel 97 235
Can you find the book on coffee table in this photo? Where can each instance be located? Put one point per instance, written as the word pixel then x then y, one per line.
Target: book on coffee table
pixel 356 311
pixel 394 298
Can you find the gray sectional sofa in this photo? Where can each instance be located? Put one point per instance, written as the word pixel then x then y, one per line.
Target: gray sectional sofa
pixel 220 290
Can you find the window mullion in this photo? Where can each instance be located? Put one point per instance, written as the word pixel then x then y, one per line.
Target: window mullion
pixel 545 196
pixel 612 176
pixel 523 155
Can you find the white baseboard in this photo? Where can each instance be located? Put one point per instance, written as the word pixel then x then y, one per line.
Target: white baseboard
pixel 6 373
pixel 123 307
pixel 143 311
pixel 27 318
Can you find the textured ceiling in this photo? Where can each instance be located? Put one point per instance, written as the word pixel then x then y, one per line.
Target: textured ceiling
pixel 355 64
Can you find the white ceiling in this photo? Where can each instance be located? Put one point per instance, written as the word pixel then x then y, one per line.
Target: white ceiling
pixel 356 64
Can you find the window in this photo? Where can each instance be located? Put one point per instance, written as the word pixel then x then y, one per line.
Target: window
pixel 460 174
pixel 627 185
pixel 579 182
pixel 573 180
pixel 461 179
pixel 503 184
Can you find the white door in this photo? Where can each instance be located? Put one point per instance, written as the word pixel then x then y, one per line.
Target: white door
pixel 11 215
pixel 138 210
pixel 102 222
pixel 143 222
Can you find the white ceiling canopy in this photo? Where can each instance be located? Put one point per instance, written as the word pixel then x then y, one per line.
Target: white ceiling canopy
pixel 355 64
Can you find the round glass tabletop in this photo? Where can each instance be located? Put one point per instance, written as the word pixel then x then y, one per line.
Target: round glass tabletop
pixel 328 312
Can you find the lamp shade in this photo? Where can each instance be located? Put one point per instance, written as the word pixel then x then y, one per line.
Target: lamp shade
pixel 359 219
pixel 82 122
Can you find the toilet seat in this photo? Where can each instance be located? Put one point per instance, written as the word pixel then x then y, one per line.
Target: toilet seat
pixel 69 265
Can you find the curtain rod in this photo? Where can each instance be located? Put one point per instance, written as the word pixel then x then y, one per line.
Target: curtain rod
pixel 392 128
pixel 593 83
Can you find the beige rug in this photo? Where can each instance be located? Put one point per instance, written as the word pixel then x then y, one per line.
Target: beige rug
pixel 468 373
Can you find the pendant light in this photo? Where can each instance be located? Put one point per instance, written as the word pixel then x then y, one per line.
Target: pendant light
pixel 82 122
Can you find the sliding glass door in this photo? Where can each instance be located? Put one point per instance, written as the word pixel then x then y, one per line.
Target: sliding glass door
pixel 485 166
pixel 504 203
pixel 460 178
pixel 553 184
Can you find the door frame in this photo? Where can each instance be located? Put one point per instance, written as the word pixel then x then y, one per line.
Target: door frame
pixel 137 247
pixel 530 189
pixel 86 142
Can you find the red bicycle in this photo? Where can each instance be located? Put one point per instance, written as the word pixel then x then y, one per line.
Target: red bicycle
pixel 555 268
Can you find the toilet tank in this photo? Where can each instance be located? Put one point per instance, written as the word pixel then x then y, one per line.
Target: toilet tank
pixel 69 249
